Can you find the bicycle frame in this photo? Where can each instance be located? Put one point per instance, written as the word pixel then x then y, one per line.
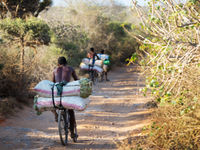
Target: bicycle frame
pixel 93 75
pixel 63 113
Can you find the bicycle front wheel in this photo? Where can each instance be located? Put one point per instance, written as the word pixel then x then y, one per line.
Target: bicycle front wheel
pixel 63 125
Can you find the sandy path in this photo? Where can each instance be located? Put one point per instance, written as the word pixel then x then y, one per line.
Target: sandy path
pixel 115 110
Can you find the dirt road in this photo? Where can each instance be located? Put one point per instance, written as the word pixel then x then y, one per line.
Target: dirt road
pixel 116 109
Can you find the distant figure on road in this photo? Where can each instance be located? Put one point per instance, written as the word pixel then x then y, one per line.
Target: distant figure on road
pixel 92 55
pixel 105 67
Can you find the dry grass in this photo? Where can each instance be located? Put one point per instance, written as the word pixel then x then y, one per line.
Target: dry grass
pixel 17 84
pixel 13 82
pixel 7 106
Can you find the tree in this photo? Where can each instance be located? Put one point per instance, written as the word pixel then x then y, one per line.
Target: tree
pixel 27 33
pixel 22 8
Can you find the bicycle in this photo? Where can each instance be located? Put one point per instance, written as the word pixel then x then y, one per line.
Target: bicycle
pixel 94 76
pixel 64 122
pixel 63 126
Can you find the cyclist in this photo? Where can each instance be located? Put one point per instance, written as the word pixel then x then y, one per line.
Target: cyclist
pixel 92 55
pixel 64 73
pixel 105 68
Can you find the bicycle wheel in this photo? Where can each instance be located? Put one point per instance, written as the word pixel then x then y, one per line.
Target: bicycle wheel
pixel 96 76
pixel 63 124
pixel 91 75
pixel 75 138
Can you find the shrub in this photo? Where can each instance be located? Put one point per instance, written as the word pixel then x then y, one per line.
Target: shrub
pixel 18 51
pixel 170 57
pixel 12 82
pixel 27 33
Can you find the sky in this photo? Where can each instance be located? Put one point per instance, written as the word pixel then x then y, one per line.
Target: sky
pixel 124 2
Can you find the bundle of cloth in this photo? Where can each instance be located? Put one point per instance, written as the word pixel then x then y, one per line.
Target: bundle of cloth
pixel 86 62
pixel 72 95
pixel 105 58
pixel 98 64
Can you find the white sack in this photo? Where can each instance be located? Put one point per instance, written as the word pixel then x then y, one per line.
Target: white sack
pixel 98 63
pixel 73 102
pixel 88 61
pixel 86 67
pixel 103 56
pixel 43 88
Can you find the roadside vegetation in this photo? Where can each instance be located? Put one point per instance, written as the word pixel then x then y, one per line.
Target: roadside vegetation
pixel 170 59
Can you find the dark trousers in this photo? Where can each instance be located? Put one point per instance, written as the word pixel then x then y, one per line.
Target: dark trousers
pixel 72 120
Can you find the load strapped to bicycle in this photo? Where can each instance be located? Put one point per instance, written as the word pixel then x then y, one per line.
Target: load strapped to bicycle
pixel 95 69
pixel 64 98
pixel 63 117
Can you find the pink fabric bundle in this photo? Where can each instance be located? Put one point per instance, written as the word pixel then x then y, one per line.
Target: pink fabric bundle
pixel 72 102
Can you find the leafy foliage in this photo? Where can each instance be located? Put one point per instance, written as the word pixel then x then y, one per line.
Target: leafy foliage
pixel 22 8
pixel 72 40
pixel 32 30
pixel 170 57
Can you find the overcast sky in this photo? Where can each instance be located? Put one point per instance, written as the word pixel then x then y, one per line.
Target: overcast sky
pixel 124 2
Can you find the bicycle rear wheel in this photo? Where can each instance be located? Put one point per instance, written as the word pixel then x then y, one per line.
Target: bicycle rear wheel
pixel 63 124
pixel 75 138
pixel 94 77
pixel 91 75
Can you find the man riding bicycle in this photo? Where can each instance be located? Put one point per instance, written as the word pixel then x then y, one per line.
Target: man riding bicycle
pixel 64 73
pixel 92 55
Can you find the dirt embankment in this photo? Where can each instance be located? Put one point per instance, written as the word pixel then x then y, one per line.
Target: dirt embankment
pixel 116 110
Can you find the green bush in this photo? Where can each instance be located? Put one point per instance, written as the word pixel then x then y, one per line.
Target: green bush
pixel 73 53
pixel 121 45
pixel 72 40
pixel 31 30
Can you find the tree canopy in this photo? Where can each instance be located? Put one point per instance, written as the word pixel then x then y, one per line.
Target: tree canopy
pixel 28 33
pixel 22 8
